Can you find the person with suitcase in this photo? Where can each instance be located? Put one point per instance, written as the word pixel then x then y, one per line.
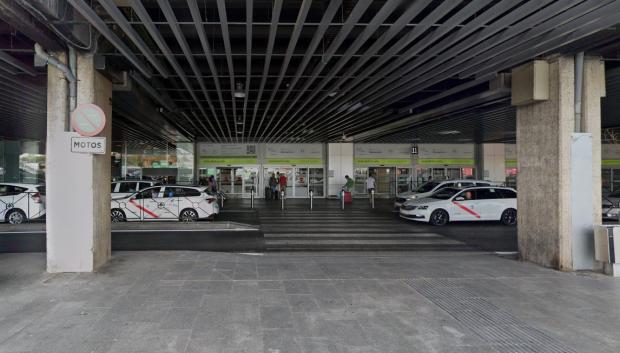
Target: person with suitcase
pixel 347 188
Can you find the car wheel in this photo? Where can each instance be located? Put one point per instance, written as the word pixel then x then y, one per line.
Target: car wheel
pixel 118 215
pixel 509 217
pixel 188 215
pixel 439 218
pixel 16 217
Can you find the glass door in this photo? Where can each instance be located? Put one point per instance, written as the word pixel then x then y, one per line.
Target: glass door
pixel 301 182
pixel 359 188
pixel 251 181
pixel 316 179
pixel 403 179
pixel 224 179
pixel 385 179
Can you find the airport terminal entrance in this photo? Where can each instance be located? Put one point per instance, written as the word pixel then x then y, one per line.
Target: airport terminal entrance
pixel 300 179
pixel 236 182
pixel 389 180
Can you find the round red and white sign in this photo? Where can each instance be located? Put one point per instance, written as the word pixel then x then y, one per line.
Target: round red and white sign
pixel 88 119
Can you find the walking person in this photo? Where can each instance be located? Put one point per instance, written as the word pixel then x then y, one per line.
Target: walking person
pixel 282 181
pixel 273 187
pixel 370 184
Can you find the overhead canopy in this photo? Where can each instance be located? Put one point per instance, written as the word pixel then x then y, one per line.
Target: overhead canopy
pixel 315 70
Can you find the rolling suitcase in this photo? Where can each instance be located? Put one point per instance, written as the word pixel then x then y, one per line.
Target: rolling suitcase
pixel 347 197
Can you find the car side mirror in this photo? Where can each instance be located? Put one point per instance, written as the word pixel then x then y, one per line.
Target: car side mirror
pixel 460 198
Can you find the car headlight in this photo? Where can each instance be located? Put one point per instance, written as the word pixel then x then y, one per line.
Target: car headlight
pixel 422 207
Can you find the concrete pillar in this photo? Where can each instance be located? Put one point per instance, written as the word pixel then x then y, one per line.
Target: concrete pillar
pixel 494 164
pixel 78 185
pixel 339 164
pixel 544 131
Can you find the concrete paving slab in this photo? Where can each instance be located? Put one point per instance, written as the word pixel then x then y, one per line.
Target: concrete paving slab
pixel 388 302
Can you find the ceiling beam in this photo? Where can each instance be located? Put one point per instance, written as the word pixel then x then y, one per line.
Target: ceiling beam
pixel 122 22
pixel 202 35
pixel 221 10
pixel 92 17
pixel 277 7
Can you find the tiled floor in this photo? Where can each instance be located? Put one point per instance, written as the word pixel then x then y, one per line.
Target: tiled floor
pixel 323 302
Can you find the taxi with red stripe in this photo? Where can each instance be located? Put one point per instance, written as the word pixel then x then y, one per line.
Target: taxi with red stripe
pixel 487 203
pixel 166 202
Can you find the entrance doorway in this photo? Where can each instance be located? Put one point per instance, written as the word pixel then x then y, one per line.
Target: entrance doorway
pixel 388 180
pixel 236 182
pixel 300 180
pixel 444 173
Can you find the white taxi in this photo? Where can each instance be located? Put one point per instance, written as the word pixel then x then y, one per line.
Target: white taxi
pixel 169 202
pixel 472 204
pixel 21 202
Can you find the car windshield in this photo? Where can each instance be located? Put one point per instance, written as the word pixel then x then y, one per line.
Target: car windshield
pixel 445 193
pixel 428 186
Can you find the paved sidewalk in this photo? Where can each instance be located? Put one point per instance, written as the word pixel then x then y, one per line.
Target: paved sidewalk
pixel 323 302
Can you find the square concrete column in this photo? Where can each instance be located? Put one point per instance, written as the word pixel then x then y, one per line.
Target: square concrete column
pixel 544 138
pixel 77 185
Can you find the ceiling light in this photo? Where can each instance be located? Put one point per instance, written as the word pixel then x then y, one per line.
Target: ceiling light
pixel 239 122
pixel 239 92
pixel 449 132
pixel 332 94
pixel 239 132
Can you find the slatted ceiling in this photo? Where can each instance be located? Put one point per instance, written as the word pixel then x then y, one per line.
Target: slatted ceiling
pixel 313 69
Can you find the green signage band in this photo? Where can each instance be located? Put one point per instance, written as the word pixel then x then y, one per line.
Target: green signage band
pixel 453 161
pixel 611 162
pixel 511 163
pixel 295 161
pixel 228 160
pixel 382 161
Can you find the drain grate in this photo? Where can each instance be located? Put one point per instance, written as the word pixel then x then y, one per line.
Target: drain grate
pixel 501 330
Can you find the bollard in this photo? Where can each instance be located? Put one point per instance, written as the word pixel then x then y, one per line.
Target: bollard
pixel 282 198
pixel 342 198
pixel 372 198
pixel 221 200
pixel 252 198
pixel 311 197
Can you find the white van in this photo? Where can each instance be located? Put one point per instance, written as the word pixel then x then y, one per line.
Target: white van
pixel 433 186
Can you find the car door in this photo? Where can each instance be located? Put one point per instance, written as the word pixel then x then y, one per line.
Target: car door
pixel 489 204
pixel 6 200
pixel 148 201
pixel 464 206
pixel 168 208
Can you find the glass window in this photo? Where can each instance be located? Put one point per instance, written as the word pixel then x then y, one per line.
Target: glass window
pixel 128 187
pixel 426 187
pixel 113 187
pixel 446 185
pixel 187 192
pixel 148 193
pixel 144 185
pixel 488 194
pixel 606 181
pixel 508 194
pixel 445 194
pixel 9 190
pixel 464 184
pixel 468 194
pixel 483 184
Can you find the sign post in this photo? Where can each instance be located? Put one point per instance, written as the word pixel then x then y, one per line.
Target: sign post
pixel 88 120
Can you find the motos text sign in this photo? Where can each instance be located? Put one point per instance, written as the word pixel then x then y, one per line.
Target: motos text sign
pixel 94 145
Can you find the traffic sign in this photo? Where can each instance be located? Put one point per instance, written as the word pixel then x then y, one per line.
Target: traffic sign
pixel 88 119
pixel 94 145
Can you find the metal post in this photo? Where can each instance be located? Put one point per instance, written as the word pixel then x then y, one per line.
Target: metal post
pixel 311 197
pixel 221 200
pixel 282 198
pixel 342 198
pixel 372 198
pixel 252 198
